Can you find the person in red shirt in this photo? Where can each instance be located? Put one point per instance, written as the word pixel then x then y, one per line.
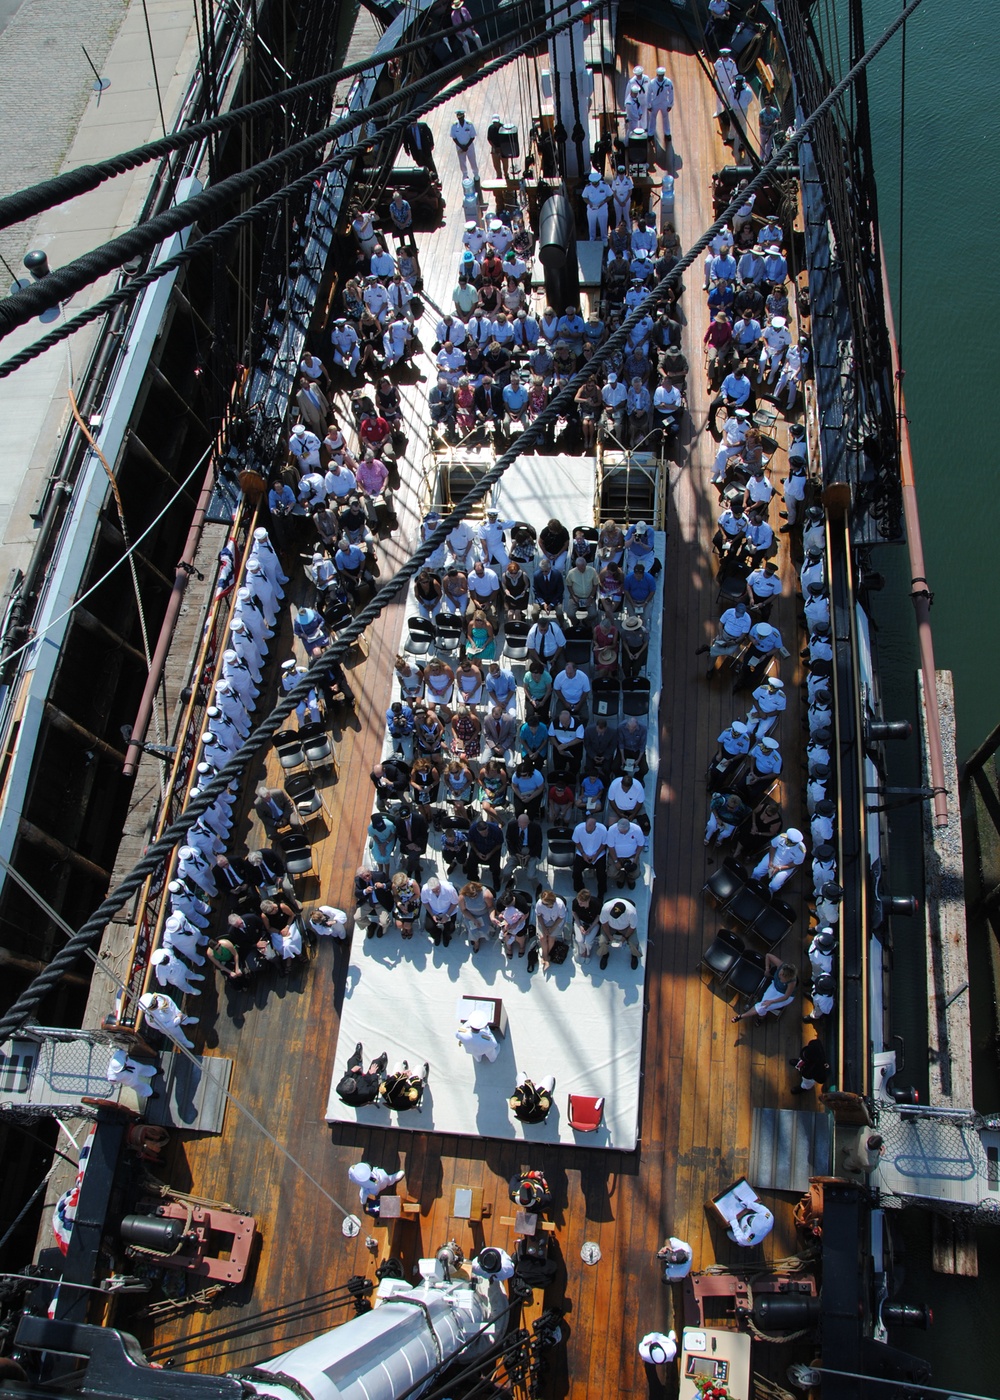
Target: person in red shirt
pixel 373 431
pixel 718 342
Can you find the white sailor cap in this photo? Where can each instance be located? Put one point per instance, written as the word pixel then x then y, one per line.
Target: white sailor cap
pixel 593 177
pixel 769 745
pixel 775 682
pixel 794 834
pixel 299 430
pixel 738 727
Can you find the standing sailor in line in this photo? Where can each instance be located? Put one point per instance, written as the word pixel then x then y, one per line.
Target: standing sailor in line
pixel 463 134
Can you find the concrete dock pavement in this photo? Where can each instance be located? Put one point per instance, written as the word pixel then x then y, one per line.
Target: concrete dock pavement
pixel 51 120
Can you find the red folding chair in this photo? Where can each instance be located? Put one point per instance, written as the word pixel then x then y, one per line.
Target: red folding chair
pixel 585 1112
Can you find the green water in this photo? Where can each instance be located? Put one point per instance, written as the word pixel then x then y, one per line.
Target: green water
pixel 951 201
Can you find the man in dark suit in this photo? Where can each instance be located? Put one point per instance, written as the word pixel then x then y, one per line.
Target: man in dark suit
pixel 524 843
pixel 412 829
pixel 418 143
pixel 276 809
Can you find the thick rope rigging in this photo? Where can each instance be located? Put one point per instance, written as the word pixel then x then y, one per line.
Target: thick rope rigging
pixel 261 210
pixel 73 276
pixel 160 850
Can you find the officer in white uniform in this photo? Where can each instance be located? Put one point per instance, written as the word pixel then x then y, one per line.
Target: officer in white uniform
pixel 784 855
pixel 769 704
pixel 596 195
pixel 395 339
pixel 621 192
pixel 344 339
pixel 463 134
pixel 734 624
pixel 474 239
pixel 726 74
pixel 490 539
pixel 478 1040
pixel 734 433
pixel 659 103
pixel 164 1015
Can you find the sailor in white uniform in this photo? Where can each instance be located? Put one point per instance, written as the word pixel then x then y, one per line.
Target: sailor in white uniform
pixel 752 1225
pixel 223 730
pixel 199 836
pixel 262 591
pixel 132 1073
pixel 171 972
pixel 371 1181
pixel 395 339
pixel 658 1348
pixel 659 103
pixel 734 434
pixel 621 192
pixel 636 98
pixel 264 552
pixel 238 676
pixel 304 446
pixel 164 1015
pixel 187 904
pixel 596 195
pixel 180 934
pixel 192 866
pixel 245 647
pixel 250 610
pixel 493 1264
pixel 231 706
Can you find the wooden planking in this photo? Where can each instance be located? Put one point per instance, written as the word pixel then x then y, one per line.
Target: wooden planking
pixel 701 1078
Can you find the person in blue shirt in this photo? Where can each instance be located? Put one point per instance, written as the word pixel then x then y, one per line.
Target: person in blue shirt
pixel 736 388
pixel 350 562
pixel 750 267
pixel 722 267
pixel 572 327
pixel 400 722
pixel 533 739
pixel 515 401
pixel 638 543
pixel 281 502
pixel 775 266
pixel 640 411
pixel 639 590
pixel 310 629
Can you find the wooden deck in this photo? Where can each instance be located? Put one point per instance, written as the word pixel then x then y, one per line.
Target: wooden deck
pixel 702 1075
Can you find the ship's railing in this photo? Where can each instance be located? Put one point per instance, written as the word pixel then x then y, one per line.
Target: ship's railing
pixel 152 906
